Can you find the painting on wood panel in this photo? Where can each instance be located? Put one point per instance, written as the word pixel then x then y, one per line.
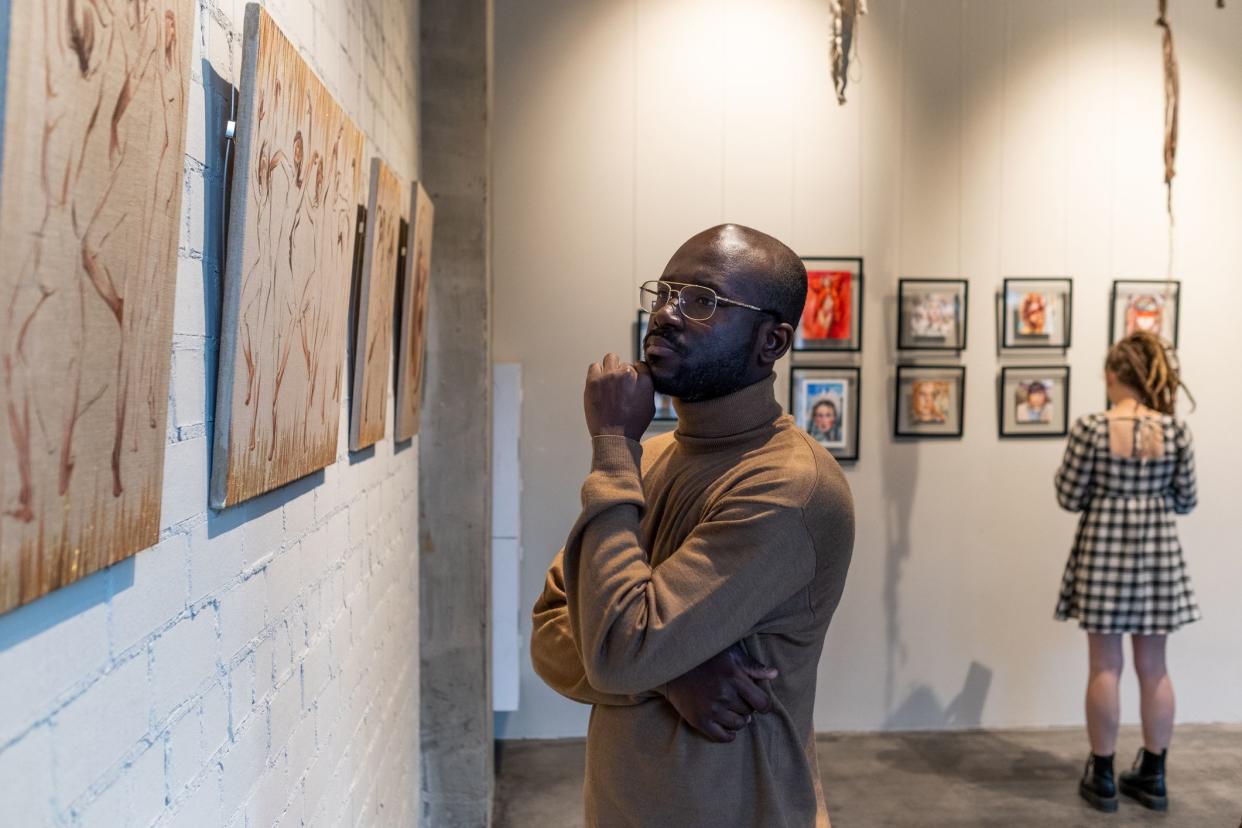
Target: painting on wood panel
pixel 94 115
pixel 296 189
pixel 376 297
pixel 411 341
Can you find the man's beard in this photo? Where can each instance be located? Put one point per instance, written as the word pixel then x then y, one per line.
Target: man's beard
pixel 709 376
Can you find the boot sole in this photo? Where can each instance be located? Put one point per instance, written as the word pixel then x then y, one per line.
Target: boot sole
pixel 1107 804
pixel 1155 803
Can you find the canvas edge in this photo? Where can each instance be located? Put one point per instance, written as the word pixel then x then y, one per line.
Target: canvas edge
pixel 402 428
pixel 362 308
pixel 234 251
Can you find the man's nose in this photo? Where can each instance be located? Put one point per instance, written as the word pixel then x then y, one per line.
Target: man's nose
pixel 669 313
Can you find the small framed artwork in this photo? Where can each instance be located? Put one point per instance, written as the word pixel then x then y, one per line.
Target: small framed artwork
pixel 930 401
pixel 1145 305
pixel 1034 401
pixel 664 404
pixel 1037 313
pixel 931 314
pixel 832 317
pixel 824 402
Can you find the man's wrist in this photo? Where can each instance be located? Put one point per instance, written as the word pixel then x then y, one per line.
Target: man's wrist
pixel 615 453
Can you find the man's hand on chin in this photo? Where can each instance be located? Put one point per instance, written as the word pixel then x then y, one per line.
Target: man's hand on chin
pixel 619 398
pixel 719 697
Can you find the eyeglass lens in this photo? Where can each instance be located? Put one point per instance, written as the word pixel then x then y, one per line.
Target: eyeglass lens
pixel 693 301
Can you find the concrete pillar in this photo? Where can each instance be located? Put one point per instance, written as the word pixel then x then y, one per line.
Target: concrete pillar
pixel 455 56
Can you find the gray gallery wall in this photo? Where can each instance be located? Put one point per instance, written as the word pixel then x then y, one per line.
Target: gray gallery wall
pixel 982 139
pixel 259 665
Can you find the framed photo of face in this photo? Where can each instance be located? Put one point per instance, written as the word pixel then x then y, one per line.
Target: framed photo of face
pixel 930 401
pixel 665 413
pixel 832 317
pixel 825 402
pixel 1034 401
pixel 1037 313
pixel 931 314
pixel 1153 306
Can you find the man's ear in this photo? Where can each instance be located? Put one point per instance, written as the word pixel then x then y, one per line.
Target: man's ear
pixel 776 338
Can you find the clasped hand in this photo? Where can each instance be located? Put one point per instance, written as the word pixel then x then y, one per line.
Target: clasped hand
pixel 720 696
pixel 619 398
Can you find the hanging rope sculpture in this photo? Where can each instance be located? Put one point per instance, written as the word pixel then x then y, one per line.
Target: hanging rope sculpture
pixel 1171 92
pixel 1171 88
pixel 845 14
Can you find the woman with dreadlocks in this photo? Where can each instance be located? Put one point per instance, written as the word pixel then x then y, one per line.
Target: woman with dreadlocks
pixel 1129 471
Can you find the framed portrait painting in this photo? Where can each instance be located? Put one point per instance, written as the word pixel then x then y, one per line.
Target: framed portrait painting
pixel 825 403
pixel 832 317
pixel 930 401
pixel 1145 305
pixel 665 413
pixel 1037 313
pixel 1034 401
pixel 931 314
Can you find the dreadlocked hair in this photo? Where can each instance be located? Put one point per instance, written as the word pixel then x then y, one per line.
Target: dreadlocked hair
pixel 1144 363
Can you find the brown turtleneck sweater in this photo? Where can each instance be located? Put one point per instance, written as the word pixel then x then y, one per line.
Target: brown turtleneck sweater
pixel 735 527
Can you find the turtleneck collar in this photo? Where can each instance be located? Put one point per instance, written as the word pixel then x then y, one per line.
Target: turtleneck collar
pixel 742 411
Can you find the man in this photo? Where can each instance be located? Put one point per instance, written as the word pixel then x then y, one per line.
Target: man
pixel 690 603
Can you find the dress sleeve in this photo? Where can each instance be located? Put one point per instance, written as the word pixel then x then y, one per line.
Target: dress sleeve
pixel 638 627
pixel 554 652
pixel 1073 479
pixel 1185 487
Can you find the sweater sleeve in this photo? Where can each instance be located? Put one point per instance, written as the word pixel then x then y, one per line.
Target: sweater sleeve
pixel 554 653
pixel 639 627
pixel 1074 477
pixel 1185 487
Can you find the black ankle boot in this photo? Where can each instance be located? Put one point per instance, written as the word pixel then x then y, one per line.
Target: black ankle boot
pixel 1145 782
pixel 1097 785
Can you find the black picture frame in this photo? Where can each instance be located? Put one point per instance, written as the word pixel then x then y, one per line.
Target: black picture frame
pixel 849 452
pixel 908 343
pixel 1014 430
pixel 956 417
pixel 1114 295
pixel 1010 339
pixel 665 413
pixel 857 284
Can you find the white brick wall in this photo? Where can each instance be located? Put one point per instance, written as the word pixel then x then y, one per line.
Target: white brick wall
pixel 258 666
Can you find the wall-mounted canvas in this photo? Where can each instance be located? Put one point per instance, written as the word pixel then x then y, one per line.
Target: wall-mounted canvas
pixel 297 185
pixel 825 403
pixel 665 412
pixel 411 343
pixel 377 286
pixel 1034 401
pixel 1037 313
pixel 931 401
pixel 94 113
pixel 931 314
pixel 832 317
pixel 1145 305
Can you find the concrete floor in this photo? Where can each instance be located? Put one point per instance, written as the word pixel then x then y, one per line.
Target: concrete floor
pixel 1013 778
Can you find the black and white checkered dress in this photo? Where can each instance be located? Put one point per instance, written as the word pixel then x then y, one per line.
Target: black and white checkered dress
pixel 1126 573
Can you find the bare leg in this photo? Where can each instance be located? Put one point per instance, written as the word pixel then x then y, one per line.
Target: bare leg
pixel 1103 699
pixel 1155 691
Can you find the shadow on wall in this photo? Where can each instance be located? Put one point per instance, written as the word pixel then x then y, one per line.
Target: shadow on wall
pixel 25 622
pixel 898 495
pixel 922 710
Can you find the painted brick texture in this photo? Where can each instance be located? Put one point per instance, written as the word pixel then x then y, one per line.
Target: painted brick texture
pixel 258 666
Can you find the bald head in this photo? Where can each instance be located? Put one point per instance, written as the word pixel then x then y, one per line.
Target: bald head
pixel 758 268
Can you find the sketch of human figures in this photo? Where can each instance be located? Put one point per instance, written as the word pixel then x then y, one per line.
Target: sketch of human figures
pixel 95 101
pixel 377 285
pixel 296 187
pixel 411 343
